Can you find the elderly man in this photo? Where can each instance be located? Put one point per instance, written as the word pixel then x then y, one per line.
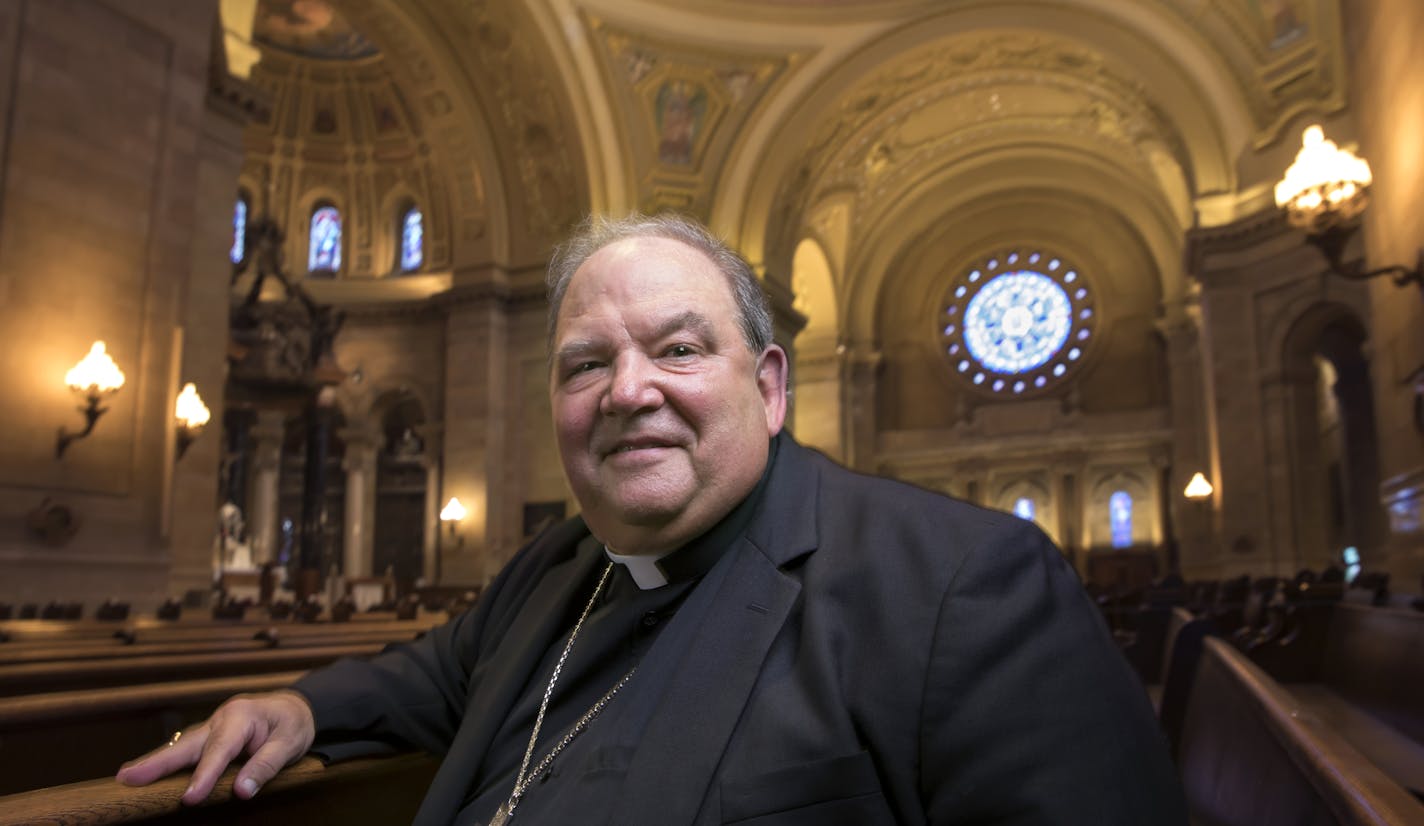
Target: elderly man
pixel 735 629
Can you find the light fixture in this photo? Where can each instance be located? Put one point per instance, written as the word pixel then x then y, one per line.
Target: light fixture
pixel 93 378
pixel 1198 488
pixel 189 415
pixel 451 515
pixel 1324 193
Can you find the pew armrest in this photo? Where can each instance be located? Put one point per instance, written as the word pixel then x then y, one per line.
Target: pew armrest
pixel 104 802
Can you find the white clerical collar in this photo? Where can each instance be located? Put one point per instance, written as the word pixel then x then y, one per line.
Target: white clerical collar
pixel 644 569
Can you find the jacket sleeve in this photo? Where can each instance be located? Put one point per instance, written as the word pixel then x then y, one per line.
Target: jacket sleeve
pixel 411 695
pixel 1032 716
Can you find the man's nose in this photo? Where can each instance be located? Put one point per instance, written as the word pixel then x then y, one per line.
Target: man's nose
pixel 634 386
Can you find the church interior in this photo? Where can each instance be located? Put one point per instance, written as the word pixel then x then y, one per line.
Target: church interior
pixel 1036 254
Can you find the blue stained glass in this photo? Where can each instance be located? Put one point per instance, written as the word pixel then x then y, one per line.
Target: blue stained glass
pixel 324 251
pixel 412 240
pixel 1023 508
pixel 239 232
pixel 1017 322
pixel 1120 514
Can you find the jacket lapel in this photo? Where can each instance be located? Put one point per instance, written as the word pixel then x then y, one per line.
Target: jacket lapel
pixel 499 679
pixel 738 610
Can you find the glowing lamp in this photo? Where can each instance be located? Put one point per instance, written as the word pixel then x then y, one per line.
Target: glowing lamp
pixel 1198 487
pixel 1324 192
pixel 94 377
pixel 189 415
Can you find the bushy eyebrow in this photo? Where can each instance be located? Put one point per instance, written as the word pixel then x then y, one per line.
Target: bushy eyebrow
pixel 686 321
pixel 690 321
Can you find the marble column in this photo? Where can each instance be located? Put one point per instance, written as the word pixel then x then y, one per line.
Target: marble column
pixel 266 439
pixel 859 385
pixel 359 462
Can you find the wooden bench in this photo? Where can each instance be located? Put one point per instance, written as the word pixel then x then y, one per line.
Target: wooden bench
pixel 67 736
pixel 275 638
pixel 367 791
pixel 1369 686
pixel 1181 654
pixel 67 675
pixel 1251 755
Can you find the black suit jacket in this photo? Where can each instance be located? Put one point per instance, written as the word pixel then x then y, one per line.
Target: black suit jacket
pixel 867 653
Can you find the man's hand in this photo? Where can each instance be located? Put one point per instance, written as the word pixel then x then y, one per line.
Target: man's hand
pixel 275 728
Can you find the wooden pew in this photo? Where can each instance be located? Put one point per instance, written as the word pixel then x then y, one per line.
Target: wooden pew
pixel 1370 687
pixel 1181 654
pixel 44 652
pixel 367 791
pixel 67 736
pixel 1251 755
pixel 67 675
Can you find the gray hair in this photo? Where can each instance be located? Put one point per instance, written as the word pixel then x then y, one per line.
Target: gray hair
pixel 597 232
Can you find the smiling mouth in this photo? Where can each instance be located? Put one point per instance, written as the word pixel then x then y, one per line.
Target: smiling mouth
pixel 626 449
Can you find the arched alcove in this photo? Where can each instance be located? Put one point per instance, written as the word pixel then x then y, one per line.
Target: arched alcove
pixel 403 465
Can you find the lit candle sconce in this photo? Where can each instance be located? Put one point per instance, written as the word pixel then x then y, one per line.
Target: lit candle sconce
pixel 190 415
pixel 451 515
pixel 1324 193
pixel 93 378
pixel 1198 489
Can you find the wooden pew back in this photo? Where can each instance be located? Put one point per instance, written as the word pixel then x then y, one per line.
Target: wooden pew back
pixel 1250 756
pixel 1374 658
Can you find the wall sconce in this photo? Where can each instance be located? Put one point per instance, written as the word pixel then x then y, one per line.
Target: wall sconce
pixel 189 416
pixel 1198 488
pixel 93 378
pixel 1324 193
pixel 451 515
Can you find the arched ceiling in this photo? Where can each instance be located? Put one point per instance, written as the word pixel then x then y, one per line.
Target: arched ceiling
pixel 765 117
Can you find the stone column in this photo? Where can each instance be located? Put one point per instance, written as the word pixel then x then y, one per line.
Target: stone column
pixel 266 435
pixel 432 436
pixel 818 394
pixel 359 462
pixel 859 385
pixel 475 393
pixel 1193 523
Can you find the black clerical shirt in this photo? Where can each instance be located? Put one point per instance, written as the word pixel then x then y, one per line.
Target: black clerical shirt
pixel 618 635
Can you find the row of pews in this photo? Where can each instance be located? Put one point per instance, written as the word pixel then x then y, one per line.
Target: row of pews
pixel 79 697
pixel 1285 701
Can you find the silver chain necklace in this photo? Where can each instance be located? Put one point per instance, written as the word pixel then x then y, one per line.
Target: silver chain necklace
pixel 521 783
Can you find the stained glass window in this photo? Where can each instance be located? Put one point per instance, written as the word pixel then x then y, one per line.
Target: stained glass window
pixel 412 234
pixel 1120 516
pixel 1351 555
pixel 324 249
pixel 1023 508
pixel 1017 322
pixel 239 231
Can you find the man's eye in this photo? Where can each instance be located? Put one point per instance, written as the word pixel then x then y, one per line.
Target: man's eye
pixel 583 367
pixel 680 351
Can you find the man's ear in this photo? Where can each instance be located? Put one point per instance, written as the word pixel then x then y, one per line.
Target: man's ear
pixel 771 381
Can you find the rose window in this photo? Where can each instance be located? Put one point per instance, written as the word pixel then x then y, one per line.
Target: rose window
pixel 1017 322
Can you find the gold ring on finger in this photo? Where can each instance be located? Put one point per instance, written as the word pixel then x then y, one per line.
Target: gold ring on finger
pixel 173 741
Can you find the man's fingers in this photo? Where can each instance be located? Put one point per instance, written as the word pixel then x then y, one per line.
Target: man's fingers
pixel 224 744
pixel 165 759
pixel 274 755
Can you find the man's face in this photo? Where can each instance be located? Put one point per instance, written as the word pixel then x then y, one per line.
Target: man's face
pixel 661 411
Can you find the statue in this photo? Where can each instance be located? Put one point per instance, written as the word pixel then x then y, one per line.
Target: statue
pixel 234 549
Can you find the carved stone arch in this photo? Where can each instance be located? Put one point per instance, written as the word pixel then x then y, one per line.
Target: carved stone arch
pixel 497 114
pixel 1331 443
pixel 1181 78
pixel 1140 486
pixel 951 199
